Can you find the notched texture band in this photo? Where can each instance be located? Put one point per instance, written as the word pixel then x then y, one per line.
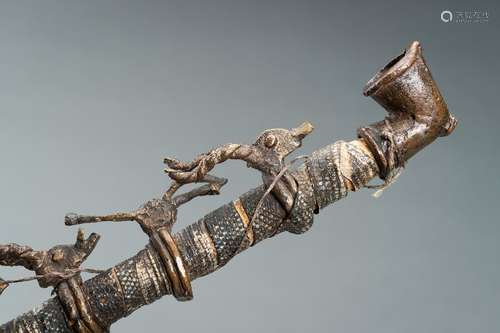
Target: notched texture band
pixel 48 318
pixel 197 249
pixel 323 171
pixel 227 230
pixel 106 298
pixel 270 216
pixel 249 238
pixel 128 277
pixel 150 279
pixel 302 214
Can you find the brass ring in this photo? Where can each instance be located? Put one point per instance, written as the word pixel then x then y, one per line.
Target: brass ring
pixel 182 273
pixel 177 274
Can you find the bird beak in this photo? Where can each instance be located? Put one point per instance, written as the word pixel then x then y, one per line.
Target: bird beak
pixel 303 130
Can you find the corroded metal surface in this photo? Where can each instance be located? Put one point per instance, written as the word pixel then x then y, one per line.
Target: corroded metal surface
pixel 417 112
pixel 169 262
pixel 247 223
pixel 226 230
pixel 156 218
pixel 59 268
pixel 106 297
pixel 267 220
pixel 323 170
pixel 266 154
pixel 133 292
pixel 302 213
pixel 198 249
pixel 48 318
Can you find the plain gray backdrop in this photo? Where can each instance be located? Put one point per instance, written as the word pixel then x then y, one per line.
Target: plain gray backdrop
pixel 93 95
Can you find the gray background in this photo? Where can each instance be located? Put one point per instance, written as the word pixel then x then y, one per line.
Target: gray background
pixel 94 94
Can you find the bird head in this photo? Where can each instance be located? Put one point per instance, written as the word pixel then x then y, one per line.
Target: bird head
pixel 281 142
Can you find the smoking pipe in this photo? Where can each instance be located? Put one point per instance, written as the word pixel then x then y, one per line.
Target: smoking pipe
pixel 417 112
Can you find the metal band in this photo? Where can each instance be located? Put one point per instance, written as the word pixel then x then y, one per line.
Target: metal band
pixel 198 249
pixel 185 292
pixel 323 169
pixel 161 282
pixel 131 286
pixel 29 324
pixel 51 317
pixel 270 216
pixel 48 318
pixel 227 231
pixel 105 297
pixel 168 264
pixel 147 278
pixel 302 213
pixel 86 322
pixel 356 164
pixel 246 221
pixel 144 279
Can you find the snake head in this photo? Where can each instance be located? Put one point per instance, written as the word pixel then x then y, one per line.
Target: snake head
pixel 61 259
pixel 280 142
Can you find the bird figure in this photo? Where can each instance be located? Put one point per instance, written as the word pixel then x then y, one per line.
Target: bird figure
pixel 266 154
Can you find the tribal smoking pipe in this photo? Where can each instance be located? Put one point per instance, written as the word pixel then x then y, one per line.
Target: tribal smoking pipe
pixel 286 202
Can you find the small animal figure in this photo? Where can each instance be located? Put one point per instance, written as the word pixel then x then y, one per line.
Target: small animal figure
pixel 267 155
pixel 157 213
pixel 156 218
pixel 59 268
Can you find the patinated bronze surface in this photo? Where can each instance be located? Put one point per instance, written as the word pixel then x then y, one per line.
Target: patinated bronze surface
pixel 267 154
pixel 156 218
pixel 417 112
pixel 59 267
pixel 287 201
